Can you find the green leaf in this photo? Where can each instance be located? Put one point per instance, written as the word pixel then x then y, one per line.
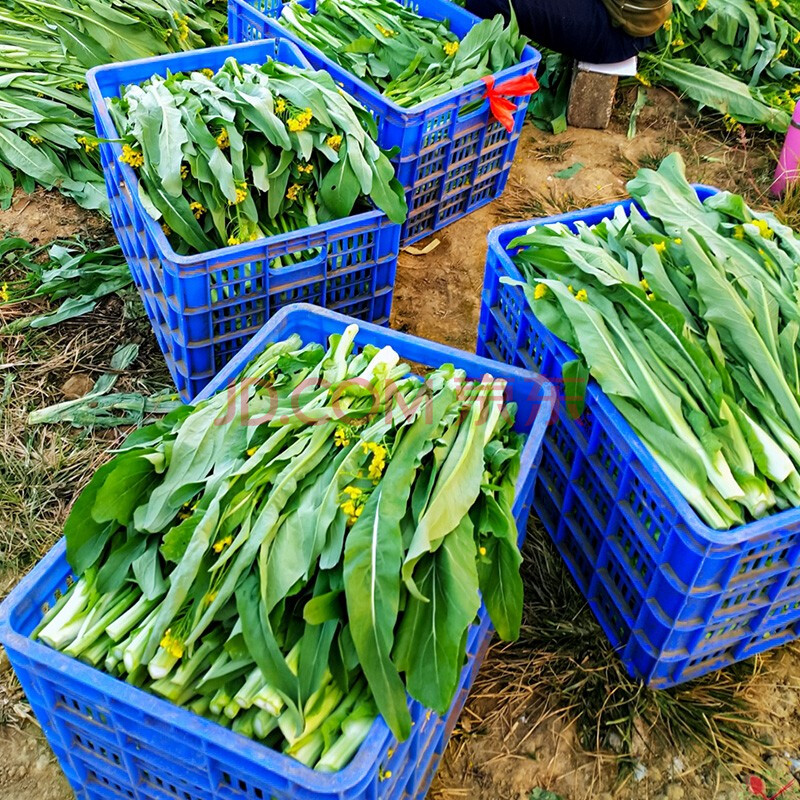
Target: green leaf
pixel 124 490
pixel 501 586
pixel 29 160
pixel 569 172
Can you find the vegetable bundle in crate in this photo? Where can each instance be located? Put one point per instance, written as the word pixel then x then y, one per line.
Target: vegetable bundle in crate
pixel 671 485
pixel 438 83
pixel 275 559
pixel 241 181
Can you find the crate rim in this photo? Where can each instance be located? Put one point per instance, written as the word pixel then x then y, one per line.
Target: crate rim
pixel 210 733
pixel 733 536
pixel 529 54
pixel 247 251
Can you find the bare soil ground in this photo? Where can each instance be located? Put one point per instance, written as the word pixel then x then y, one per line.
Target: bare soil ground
pixel 520 736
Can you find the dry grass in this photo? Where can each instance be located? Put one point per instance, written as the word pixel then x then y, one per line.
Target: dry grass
pixel 564 667
pixel 522 202
pixel 788 209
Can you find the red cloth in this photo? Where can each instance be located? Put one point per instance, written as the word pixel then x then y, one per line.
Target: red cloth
pixel 503 110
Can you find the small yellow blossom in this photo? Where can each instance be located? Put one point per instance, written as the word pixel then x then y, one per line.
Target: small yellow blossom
pixel 701 5
pixel 166 228
pixel 353 492
pixel 387 32
pixel 293 191
pixel 334 142
pixel 222 139
pixel 571 289
pixel 644 284
pixel 34 139
pixel 280 105
pixel 209 73
pixel 643 80
pixel 300 122
pixel 582 296
pixel 184 172
pixel 252 451
pixel 678 42
pixel 4 293
pixel 234 240
pixel 482 551
pixel 172 644
pixel 384 775
pixel 341 437
pixel 774 3
pixel 132 157
pixel 668 25
pixel 378 463
pixel 222 543
pixel 678 241
pixel 450 48
pixel 241 194
pixel 660 247
pixel 651 297
pixel 210 598
pixel 738 232
pixel 306 169
pixel 198 209
pixel 764 228
pixel 796 39
pixel 77 86
pixel 783 53
pixel 540 291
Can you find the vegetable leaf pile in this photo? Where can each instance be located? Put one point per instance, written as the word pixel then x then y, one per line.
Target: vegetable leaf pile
pixel 689 321
pixel 251 151
pixel 405 57
pixel 292 555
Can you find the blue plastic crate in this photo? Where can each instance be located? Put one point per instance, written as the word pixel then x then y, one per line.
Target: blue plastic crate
pixel 677 598
pixel 453 156
pixel 115 741
pixel 205 307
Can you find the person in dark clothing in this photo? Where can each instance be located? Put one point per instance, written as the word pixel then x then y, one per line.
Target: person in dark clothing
pixel 597 31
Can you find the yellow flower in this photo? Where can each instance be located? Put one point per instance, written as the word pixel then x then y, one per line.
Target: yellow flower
pixel 34 139
pixel 78 86
pixel 668 24
pixel 184 172
pixel 482 551
pixel 341 437
pixel 300 122
pixel 643 80
pixel 384 775
pixel 280 105
pixel 450 48
pixel 678 42
pixel 678 241
pixel 783 53
pixel 385 31
pixel 209 73
pixel 353 492
pixel 234 240
pixel 4 293
pixel 166 228
pixel 241 194
pixel 644 284
pixel 293 191
pixel 660 247
pixel 210 598
pixel 306 169
pixel 198 209
pixel 334 142
pixel 764 228
pixel 651 297
pixel 222 139
pixel 796 39
pixel 774 3
pixel 540 291
pixel 582 296
pixel 378 463
pixel 701 5
pixel 172 644
pixel 222 543
pixel 571 289
pixel 738 232
pixel 132 157
pixel 252 451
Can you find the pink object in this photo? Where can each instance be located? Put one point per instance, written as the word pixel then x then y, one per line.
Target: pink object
pixel 788 166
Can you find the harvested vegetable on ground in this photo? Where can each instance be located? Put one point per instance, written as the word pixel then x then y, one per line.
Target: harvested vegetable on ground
pixel 689 322
pixel 251 151
pixel 408 58
pixel 47 133
pixel 278 556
